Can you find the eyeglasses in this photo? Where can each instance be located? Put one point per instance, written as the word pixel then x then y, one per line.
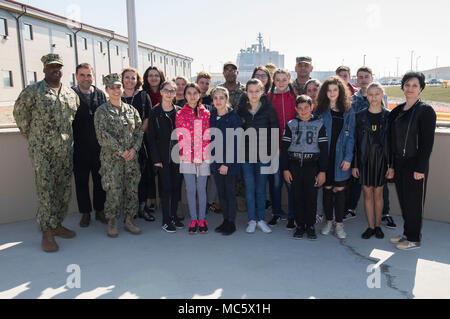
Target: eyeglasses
pixel 260 76
pixel 169 91
pixel 230 71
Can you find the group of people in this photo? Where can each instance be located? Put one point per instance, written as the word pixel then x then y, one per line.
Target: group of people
pixel 319 138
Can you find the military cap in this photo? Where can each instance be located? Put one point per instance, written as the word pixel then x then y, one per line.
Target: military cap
pixel 52 58
pixel 111 79
pixel 305 59
pixel 230 63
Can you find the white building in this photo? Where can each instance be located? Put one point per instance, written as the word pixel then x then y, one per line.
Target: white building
pixel 28 33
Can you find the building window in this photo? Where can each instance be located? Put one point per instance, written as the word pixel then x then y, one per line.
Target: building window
pixel 117 50
pixel 100 46
pixel 3 27
pixel 7 79
pixel 69 40
pixel 160 59
pixel 85 43
pixel 28 31
pixel 32 77
pixel 149 56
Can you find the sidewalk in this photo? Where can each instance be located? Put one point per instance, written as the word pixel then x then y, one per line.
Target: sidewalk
pixel 157 265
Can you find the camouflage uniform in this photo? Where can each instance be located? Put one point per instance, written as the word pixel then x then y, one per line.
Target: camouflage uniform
pixel 119 130
pixel 45 117
pixel 299 87
pixel 235 95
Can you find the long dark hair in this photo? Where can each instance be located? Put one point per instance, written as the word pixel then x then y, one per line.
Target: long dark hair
pixel 343 103
pixel 162 78
pixel 291 88
pixel 269 77
pixel 195 86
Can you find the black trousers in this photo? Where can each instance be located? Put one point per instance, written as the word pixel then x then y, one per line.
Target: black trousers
pixel 83 166
pixel 304 192
pixel 226 189
pixel 169 179
pixel 411 195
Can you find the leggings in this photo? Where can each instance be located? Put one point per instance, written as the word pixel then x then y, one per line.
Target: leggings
pixel 334 200
pixel 196 185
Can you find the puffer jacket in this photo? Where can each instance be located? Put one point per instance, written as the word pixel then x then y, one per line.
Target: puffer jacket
pixel 284 104
pixel 193 150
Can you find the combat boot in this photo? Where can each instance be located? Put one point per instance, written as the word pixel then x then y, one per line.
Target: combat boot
pixel 129 226
pixel 112 228
pixel 49 244
pixel 63 232
pixel 100 216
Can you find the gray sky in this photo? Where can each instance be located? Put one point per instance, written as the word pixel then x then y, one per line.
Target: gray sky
pixel 331 32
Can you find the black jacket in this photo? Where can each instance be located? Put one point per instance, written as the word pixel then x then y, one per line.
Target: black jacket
pixel 412 135
pixel 160 127
pixel 85 139
pixel 364 137
pixel 265 118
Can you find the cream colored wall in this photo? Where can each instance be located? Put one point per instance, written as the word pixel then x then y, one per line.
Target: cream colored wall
pixel 18 199
pixel 9 60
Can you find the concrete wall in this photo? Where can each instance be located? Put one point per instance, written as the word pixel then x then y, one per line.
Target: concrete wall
pixel 18 198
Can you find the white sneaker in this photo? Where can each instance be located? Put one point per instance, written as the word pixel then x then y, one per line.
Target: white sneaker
pixel 263 226
pixel 251 227
pixel 327 228
pixel 340 233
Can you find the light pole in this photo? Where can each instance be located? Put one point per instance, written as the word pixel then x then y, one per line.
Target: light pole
pixel 398 59
pixel 435 76
pixel 364 60
pixel 132 35
pixel 412 52
pixel 417 63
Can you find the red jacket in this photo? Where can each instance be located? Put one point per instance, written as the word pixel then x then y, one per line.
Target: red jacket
pixel 185 119
pixel 284 104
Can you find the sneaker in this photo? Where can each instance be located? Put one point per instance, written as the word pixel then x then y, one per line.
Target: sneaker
pixel 340 233
pixel 214 208
pixel 263 226
pixel 299 232
pixel 408 245
pixel 388 221
pixel 368 233
pixel 398 239
pixel 319 219
pixel 177 223
pixel 251 227
pixel 284 216
pixel 349 214
pixel 193 227
pixel 291 224
pixel 274 220
pixel 327 228
pixel 221 227
pixel 311 233
pixel 379 233
pixel 203 226
pixel 145 214
pixel 230 228
pixel 170 228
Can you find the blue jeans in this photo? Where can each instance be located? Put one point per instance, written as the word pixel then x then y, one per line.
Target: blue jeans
pixel 255 190
pixel 276 182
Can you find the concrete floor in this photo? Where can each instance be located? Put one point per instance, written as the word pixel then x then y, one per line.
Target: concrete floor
pixel 157 265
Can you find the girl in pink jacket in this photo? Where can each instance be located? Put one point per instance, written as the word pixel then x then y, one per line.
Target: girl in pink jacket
pixel 192 123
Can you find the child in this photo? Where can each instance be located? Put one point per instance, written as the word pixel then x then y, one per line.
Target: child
pixel 372 163
pixel 193 119
pixel 304 161
pixel 282 96
pixel 333 105
pixel 225 172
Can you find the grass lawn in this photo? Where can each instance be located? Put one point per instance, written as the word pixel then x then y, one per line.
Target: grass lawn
pixel 431 93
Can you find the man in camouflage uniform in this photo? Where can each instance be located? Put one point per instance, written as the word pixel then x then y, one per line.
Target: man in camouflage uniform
pixel 119 133
pixel 235 88
pixel 44 112
pixel 303 67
